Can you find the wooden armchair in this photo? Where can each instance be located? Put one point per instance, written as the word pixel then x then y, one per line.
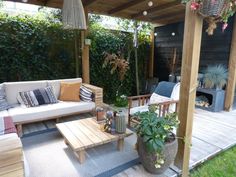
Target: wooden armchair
pixel 141 102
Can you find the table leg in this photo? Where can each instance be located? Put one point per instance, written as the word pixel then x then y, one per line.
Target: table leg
pixel 80 155
pixel 66 142
pixel 120 144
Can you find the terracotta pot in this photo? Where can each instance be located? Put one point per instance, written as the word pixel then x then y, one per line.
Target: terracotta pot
pixel 148 159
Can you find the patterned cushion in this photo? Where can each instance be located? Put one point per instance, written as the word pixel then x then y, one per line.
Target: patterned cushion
pixel 86 94
pixel 37 97
pixel 3 102
pixel 6 125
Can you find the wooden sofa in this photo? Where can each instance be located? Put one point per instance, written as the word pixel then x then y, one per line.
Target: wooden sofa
pixel 23 115
pixel 141 102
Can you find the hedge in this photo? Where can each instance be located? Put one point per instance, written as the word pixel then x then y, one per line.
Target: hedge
pixel 38 48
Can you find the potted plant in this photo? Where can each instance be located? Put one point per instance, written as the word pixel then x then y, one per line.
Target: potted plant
pixel 157 144
pixel 121 66
pixel 214 11
pixel 215 77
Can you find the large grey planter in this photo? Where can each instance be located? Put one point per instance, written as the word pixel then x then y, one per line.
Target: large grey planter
pixel 148 159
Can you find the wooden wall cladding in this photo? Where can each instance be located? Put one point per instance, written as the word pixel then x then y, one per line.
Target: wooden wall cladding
pixel 214 49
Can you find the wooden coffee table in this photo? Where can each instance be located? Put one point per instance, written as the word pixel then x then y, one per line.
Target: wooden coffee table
pixel 86 133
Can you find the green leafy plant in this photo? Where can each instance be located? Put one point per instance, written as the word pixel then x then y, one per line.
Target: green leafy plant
pixel 156 131
pixel 215 77
pixel 121 101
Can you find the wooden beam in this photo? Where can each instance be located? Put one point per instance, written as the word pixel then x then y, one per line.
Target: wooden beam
pixel 88 2
pixel 158 8
pixel 151 61
pixel 230 88
pixel 85 53
pixel 189 73
pixel 124 6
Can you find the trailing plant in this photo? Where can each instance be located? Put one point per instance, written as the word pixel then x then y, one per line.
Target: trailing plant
pixel 215 77
pixel 156 131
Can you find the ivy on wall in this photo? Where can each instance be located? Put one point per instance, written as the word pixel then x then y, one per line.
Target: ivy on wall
pixel 37 48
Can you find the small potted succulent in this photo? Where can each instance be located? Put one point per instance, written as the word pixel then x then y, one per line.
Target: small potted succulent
pixel 215 77
pixel 157 144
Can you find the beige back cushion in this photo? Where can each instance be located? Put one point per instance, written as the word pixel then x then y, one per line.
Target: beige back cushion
pixel 56 84
pixel 13 88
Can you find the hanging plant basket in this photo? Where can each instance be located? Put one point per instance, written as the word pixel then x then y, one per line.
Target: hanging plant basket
pixel 214 11
pixel 211 11
pixel 211 8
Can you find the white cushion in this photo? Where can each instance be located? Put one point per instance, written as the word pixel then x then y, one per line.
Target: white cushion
pixel 13 88
pixel 175 96
pixel 23 114
pixel 138 109
pixel 56 84
pixel 175 92
pixel 4 113
pixel 155 99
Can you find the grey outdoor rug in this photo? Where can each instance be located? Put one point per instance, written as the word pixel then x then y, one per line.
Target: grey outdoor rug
pixel 48 156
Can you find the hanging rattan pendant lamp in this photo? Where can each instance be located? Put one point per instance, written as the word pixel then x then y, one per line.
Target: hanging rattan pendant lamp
pixel 73 16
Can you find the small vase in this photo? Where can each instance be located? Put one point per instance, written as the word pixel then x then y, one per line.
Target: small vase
pixel 120 122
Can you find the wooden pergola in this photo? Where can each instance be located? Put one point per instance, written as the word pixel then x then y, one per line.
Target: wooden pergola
pixel 164 12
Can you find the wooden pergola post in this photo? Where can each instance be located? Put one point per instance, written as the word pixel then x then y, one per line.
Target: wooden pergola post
pixel 85 52
pixel 230 88
pixel 151 61
pixel 189 73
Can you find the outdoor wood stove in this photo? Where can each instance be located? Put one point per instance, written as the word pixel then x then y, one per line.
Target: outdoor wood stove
pixel 210 99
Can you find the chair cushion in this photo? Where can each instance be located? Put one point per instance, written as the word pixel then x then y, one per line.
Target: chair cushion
pixel 70 91
pixel 56 84
pixel 3 102
pixel 164 88
pixel 13 88
pixel 22 114
pixel 155 99
pixel 138 109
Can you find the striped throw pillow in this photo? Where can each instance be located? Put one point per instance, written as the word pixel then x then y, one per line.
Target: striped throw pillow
pixel 37 97
pixel 3 102
pixel 86 94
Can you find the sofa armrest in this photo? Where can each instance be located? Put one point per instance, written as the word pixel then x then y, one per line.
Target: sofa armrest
pixel 98 92
pixel 11 155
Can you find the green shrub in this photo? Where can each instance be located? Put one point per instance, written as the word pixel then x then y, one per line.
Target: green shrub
pixel 37 48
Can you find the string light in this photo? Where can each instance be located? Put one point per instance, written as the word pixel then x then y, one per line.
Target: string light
pixel 145 13
pixel 150 3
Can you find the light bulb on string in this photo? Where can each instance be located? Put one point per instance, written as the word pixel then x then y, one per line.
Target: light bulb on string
pixel 150 3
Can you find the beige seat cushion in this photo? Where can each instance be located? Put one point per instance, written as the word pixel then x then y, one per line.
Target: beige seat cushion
pixel 22 114
pixel 70 91
pixel 138 109
pixel 4 113
pixel 56 84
